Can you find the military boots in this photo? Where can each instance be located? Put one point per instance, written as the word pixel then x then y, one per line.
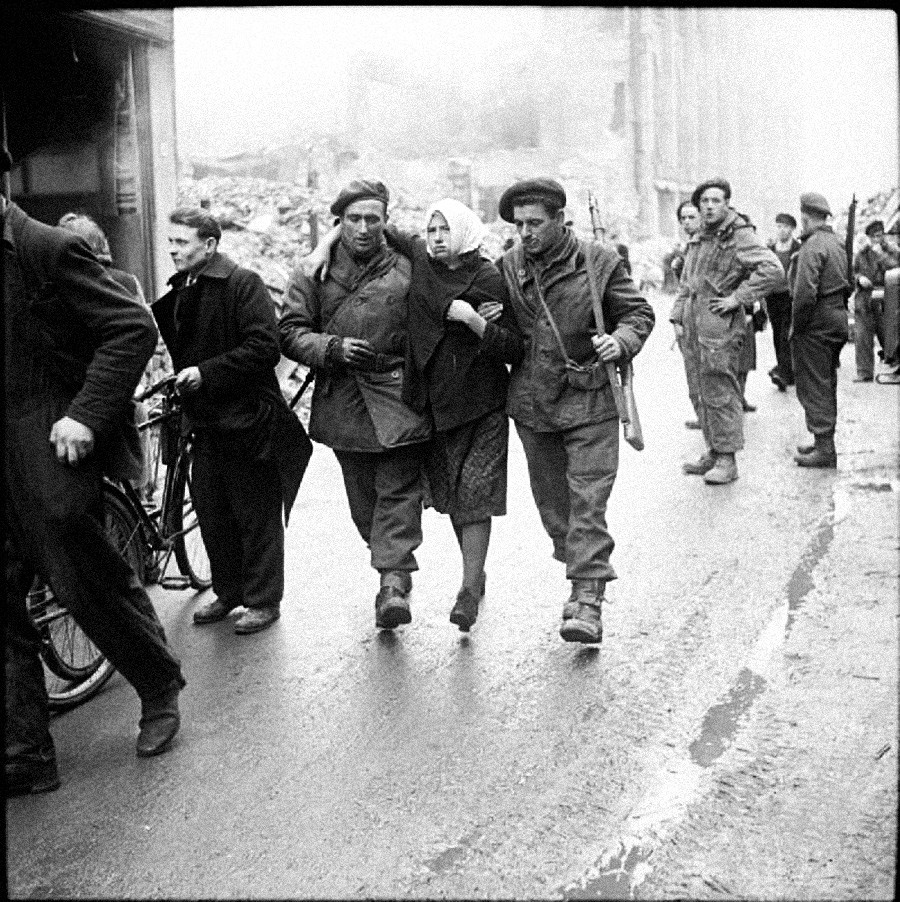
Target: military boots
pixel 581 613
pixel 699 467
pixel 822 454
pixel 392 601
pixel 723 471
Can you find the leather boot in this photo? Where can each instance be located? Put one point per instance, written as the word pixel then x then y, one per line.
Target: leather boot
pixel 392 600
pixel 823 454
pixel 213 611
pixel 159 723
pixel 724 471
pixel 805 449
pixel 465 611
pixel 698 468
pixel 584 605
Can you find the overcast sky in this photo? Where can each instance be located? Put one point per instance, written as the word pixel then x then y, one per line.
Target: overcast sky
pixel 246 76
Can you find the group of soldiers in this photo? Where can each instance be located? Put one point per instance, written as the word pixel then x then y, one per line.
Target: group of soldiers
pixel 727 276
pixel 415 346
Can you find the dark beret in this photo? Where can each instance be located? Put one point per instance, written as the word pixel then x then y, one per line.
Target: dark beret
pixel 360 189
pixel 813 202
pixel 718 182
pixel 542 187
pixel 876 225
pixel 787 219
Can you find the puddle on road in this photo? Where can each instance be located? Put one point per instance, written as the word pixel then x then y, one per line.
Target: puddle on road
pixel 721 721
pixel 618 877
pixel 801 582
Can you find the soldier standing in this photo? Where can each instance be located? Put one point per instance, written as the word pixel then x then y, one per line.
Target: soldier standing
pixel 778 303
pixel 818 327
pixel 726 270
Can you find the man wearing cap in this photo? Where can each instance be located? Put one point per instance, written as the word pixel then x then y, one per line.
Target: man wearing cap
pixel 818 279
pixel 870 266
pixel 351 329
pixel 727 270
pixel 250 451
pixel 778 303
pixel 560 396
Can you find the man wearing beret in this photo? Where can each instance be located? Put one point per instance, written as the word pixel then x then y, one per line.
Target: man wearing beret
pixel 351 329
pixel 819 286
pixel 727 270
pixel 560 396
pixel 778 303
pixel 870 266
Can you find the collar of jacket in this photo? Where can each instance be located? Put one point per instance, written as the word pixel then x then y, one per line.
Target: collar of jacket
pixel 219 267
pixel 13 220
pixel 558 260
pixel 349 273
pixel 823 227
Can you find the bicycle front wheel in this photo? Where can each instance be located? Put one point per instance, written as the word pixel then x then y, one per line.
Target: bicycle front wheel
pixel 190 552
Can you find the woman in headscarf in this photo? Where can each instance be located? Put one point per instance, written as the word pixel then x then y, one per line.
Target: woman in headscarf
pixel 461 334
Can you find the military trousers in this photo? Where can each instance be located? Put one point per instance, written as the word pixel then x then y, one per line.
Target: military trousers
pixel 239 506
pixel 713 365
pixel 384 491
pixel 54 527
pixel 868 326
pixel 816 362
pixel 572 474
pixel 779 310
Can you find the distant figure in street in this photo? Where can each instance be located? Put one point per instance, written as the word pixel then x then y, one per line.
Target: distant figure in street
pixel 689 220
pixel 778 302
pixel 870 266
pixel 727 270
pixel 560 397
pixel 819 287
pixel 352 329
pixel 75 345
pixel 250 450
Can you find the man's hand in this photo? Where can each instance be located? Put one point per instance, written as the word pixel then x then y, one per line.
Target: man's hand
pixel 491 310
pixel 724 305
pixel 460 312
pixel 357 352
pixel 72 440
pixel 313 262
pixel 188 380
pixel 864 282
pixel 607 347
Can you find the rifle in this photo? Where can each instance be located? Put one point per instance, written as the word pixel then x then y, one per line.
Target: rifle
pixel 621 376
pixel 848 248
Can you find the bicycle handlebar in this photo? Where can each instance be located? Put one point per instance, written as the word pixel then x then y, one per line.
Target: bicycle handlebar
pixel 167 384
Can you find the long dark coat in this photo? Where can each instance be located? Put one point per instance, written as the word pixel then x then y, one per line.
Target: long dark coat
pixel 225 325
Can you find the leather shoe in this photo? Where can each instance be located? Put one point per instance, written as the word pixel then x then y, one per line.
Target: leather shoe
pixel 692 424
pixel 748 407
pixel 703 465
pixel 255 619
pixel 465 611
pixel 775 376
pixel 863 378
pixel 159 723
pixel 22 781
pixel 213 611
pixel 817 457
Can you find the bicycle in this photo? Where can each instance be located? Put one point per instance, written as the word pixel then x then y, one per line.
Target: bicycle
pixel 147 536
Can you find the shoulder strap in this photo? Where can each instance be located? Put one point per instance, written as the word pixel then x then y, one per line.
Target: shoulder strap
pixel 553 327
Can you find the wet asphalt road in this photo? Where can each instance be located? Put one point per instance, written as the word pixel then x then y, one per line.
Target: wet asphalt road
pixel 322 759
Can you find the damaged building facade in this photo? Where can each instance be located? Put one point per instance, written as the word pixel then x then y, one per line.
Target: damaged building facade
pixel 89 110
pixel 621 101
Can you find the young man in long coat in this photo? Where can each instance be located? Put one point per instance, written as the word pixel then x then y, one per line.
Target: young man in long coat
pixel 352 329
pixel 250 451
pixel 727 269
pixel 75 346
pixel 568 422
pixel 819 287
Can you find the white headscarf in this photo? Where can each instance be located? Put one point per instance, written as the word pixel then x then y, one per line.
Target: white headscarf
pixel 466 229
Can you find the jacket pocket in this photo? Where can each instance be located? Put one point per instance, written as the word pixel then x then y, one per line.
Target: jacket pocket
pixel 586 378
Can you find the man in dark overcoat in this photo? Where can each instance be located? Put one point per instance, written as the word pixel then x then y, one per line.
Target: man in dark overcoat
pixel 819 288
pixel 75 346
pixel 566 418
pixel 250 451
pixel 352 330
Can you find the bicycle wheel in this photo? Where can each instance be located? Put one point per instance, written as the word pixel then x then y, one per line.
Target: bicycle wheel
pixel 74 668
pixel 190 552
